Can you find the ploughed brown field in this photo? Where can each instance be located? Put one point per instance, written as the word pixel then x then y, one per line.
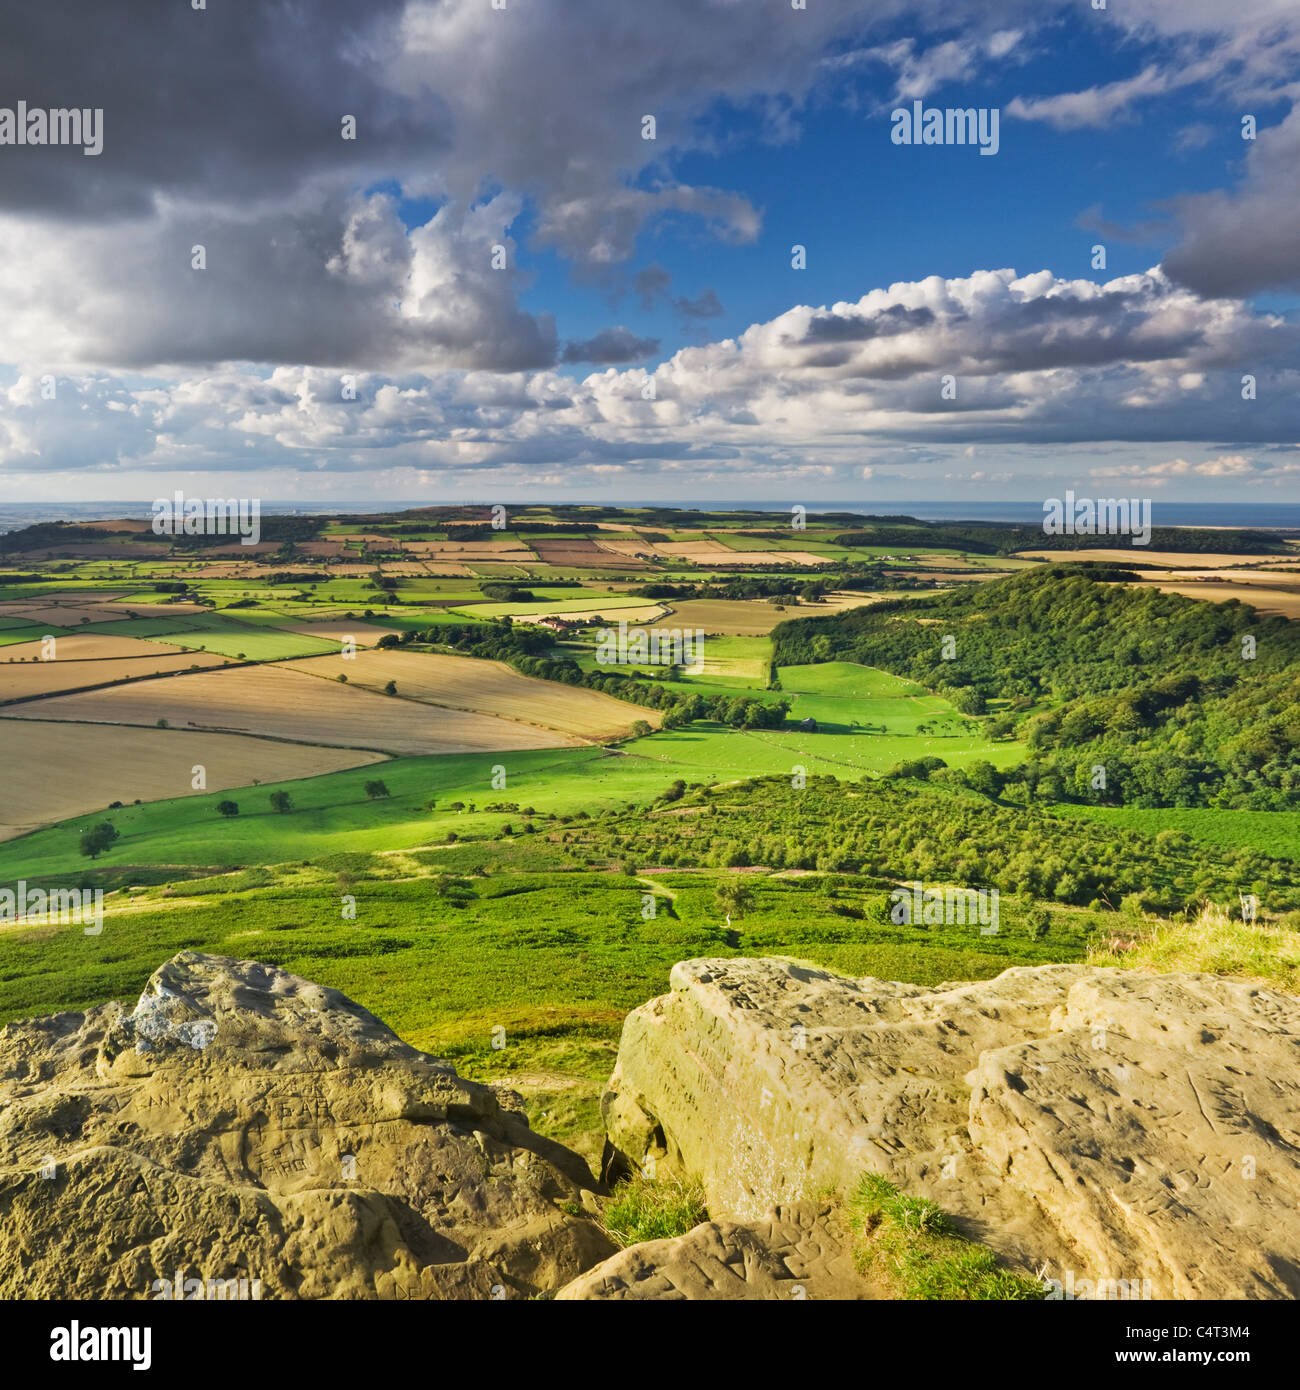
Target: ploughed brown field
pixel 59 770
pixel 490 687
pixel 273 702
pixel 82 661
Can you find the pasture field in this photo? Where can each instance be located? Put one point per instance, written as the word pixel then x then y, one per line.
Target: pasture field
pixel 55 771
pixel 14 636
pixel 225 636
pixel 272 702
pixel 486 687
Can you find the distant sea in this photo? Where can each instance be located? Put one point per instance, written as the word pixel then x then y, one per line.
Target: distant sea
pixel 1283 516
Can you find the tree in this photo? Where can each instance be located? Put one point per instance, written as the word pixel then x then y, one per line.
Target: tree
pixel 641 729
pixel 227 808
pixel 376 790
pixel 389 639
pixel 734 897
pixel 97 839
pixel 281 802
pixel 390 688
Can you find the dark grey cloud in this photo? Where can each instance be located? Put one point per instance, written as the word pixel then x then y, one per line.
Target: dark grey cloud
pixel 1242 242
pixel 610 347
pixel 236 101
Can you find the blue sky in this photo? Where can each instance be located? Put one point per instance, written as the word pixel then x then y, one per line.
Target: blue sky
pixel 500 290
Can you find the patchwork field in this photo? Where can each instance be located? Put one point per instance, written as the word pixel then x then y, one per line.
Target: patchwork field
pixel 55 771
pixel 84 660
pixel 488 687
pixel 271 702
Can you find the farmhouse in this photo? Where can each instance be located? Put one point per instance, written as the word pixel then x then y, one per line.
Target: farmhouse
pixel 810 724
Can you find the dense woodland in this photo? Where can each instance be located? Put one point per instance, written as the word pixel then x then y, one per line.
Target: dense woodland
pixel 1183 703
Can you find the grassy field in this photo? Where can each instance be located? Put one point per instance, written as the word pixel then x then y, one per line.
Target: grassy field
pixel 205 632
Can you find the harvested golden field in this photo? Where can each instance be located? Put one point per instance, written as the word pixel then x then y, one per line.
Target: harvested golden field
pixel 726 617
pixel 491 687
pixel 1245 579
pixel 85 661
pixel 89 646
pixel 273 702
pixel 1145 556
pixel 1267 601
pixel 642 613
pixel 59 770
pixel 365 634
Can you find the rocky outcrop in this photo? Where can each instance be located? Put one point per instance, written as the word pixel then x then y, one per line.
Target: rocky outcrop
pixel 796 1253
pixel 1087 1124
pixel 241 1124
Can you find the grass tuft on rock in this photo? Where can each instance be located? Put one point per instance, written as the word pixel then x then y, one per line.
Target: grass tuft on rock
pixel 643 1210
pixel 1214 942
pixel 910 1245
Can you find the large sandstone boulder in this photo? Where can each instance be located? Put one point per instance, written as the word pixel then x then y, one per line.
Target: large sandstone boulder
pixel 1087 1124
pixel 243 1124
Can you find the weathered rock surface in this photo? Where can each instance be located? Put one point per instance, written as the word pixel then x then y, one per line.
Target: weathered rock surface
pixel 1098 1123
pixel 244 1123
pixel 795 1253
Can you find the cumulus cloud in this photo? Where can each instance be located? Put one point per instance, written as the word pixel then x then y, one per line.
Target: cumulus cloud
pixel 1035 360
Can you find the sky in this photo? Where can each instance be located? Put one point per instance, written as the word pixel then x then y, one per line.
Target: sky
pixel 443 260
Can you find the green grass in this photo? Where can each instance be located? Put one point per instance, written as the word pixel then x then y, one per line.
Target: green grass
pixel 642 1210
pixel 909 1244
pixel 221 635
pixel 33 632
